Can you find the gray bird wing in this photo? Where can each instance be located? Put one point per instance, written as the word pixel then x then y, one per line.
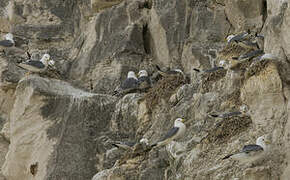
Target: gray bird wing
pixel 239 37
pixel 144 82
pixel 252 148
pixel 226 115
pixel 37 64
pixel 170 133
pixel 6 43
pixel 213 69
pixel 252 54
pixel 129 83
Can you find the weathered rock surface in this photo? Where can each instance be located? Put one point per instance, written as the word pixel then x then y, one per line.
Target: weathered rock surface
pixel 54 125
pixel 63 129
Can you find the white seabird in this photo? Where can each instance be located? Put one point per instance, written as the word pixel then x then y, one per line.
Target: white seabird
pixel 127 145
pixel 8 42
pixel 174 133
pixel 36 66
pixel 250 152
pixel 144 82
pixel 128 85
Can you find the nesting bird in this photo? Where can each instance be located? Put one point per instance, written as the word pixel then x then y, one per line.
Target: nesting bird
pixel 129 85
pixel 243 111
pixel 8 42
pixel 129 145
pixel 239 37
pixel 36 66
pixel 174 133
pixel 169 72
pixel 250 152
pixel 217 68
pixel 144 82
pixel 250 55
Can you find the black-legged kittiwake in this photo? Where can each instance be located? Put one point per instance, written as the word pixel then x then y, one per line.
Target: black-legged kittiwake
pixel 250 152
pixel 169 72
pixel 129 85
pixel 239 37
pixel 36 66
pixel 144 82
pixel 174 133
pixel 250 55
pixel 128 145
pixel 8 42
pixel 243 112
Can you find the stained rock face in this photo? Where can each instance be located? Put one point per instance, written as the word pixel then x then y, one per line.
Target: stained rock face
pixel 63 128
pixel 46 121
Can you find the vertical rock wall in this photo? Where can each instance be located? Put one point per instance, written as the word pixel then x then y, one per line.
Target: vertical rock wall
pixel 62 129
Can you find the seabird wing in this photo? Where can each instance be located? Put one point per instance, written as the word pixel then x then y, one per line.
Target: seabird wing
pixel 144 82
pixel 6 43
pixel 173 131
pixel 129 83
pixel 36 64
pixel 236 113
pixel 252 148
pixel 252 54
pixel 213 69
pixel 239 37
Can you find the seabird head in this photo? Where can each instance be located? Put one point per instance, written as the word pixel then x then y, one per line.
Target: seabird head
pixel 178 70
pixel 244 108
pixel 224 64
pixel 178 121
pixel 131 74
pixel 51 62
pixel 9 37
pixel 261 141
pixel 143 73
pixel 144 141
pixel 45 59
pixel 230 37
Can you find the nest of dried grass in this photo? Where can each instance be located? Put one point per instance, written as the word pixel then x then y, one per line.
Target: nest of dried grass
pixel 227 128
pixel 52 73
pixel 208 79
pixel 233 50
pixel 256 68
pixel 163 90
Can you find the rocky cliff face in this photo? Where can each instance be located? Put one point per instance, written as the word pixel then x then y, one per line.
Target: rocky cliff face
pixel 63 128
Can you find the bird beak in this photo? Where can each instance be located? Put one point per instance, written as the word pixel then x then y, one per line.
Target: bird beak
pixel 267 142
pixel 182 120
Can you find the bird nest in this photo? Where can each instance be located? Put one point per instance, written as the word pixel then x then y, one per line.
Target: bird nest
pixel 233 50
pixel 256 68
pixel 227 128
pixel 163 90
pixel 208 79
pixel 52 73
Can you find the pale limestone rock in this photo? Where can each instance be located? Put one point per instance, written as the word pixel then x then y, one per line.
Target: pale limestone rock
pixel 245 14
pixel 36 133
